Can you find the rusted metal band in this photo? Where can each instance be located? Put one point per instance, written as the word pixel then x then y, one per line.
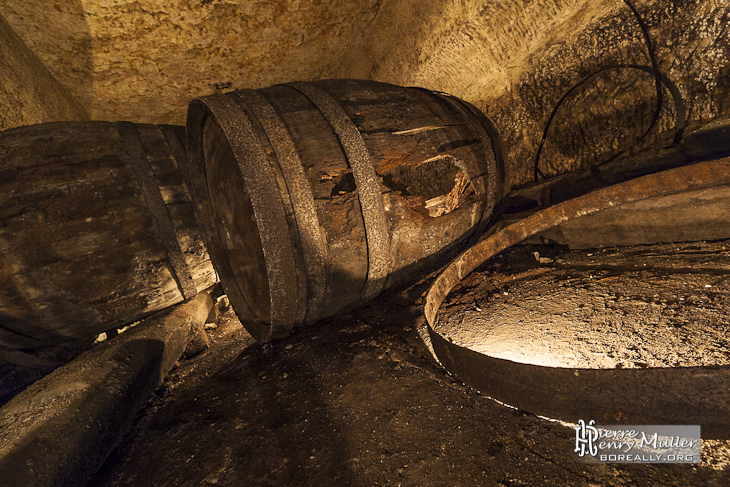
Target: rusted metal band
pixel 198 114
pixel 300 275
pixel 368 186
pixel 300 272
pixel 268 210
pixel 158 210
pixel 311 235
pixel 690 395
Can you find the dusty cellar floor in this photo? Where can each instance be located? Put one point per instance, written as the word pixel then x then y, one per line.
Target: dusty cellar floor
pixel 358 400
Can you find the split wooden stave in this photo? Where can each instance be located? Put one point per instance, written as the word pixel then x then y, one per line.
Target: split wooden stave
pixel 315 197
pixel 97 229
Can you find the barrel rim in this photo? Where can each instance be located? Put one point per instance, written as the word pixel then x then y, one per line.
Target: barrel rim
pixel 487 373
pixel 267 207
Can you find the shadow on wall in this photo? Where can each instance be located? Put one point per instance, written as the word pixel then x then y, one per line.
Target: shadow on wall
pixel 609 114
pixel 57 33
pixel 515 60
pixel 29 93
pixel 124 62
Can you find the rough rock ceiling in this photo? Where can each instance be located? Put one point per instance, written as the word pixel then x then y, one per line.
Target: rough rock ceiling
pixel 143 60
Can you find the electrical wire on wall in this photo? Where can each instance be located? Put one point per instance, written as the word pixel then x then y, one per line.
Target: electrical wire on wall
pixel 660 81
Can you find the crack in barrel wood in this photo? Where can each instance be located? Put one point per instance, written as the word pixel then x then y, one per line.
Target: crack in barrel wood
pixel 356 170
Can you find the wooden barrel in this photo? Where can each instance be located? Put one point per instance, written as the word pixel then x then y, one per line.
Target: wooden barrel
pixel 97 229
pixel 315 197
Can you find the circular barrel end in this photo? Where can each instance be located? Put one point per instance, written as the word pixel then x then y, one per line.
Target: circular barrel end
pixel 223 195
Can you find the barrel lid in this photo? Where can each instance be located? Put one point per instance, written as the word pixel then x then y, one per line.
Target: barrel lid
pixel 243 216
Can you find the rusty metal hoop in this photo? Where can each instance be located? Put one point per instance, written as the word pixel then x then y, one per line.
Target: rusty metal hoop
pixel 687 395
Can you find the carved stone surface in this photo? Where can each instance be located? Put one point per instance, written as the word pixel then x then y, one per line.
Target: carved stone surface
pixel 143 60
pixel 28 92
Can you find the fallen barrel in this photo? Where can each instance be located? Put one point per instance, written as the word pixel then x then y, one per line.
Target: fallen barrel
pixel 97 229
pixel 314 197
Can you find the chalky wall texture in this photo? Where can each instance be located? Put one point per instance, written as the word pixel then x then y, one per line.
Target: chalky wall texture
pixel 144 60
pixel 28 92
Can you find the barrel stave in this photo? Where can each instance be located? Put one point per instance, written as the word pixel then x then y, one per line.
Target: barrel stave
pixel 336 201
pixel 430 158
pixel 177 198
pixel 419 144
pixel 78 246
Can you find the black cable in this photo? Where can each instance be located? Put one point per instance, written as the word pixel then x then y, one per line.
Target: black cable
pixel 657 72
pixel 673 89
pixel 660 79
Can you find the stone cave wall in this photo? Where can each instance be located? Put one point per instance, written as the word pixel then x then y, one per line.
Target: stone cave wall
pixel 516 58
pixel 28 92
pixel 143 60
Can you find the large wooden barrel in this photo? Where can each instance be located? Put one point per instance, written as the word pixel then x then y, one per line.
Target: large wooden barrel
pixel 316 196
pixel 97 229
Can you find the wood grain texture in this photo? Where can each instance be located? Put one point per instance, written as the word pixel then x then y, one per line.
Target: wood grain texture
pixel 79 249
pixel 419 147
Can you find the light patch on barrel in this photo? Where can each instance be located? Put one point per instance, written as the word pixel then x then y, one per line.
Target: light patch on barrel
pixel 441 205
pixel 440 157
pixel 440 183
pixel 419 130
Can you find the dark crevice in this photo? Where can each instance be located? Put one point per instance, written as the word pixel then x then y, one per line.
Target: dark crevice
pixel 346 184
pixel 456 144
